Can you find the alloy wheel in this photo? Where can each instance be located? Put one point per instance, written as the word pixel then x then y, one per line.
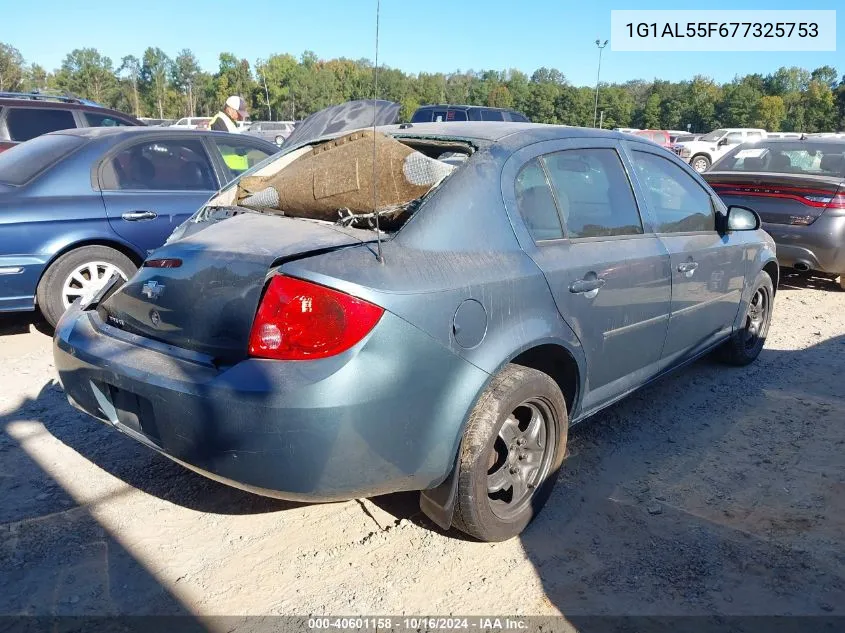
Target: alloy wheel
pixel 520 459
pixel 756 318
pixel 86 280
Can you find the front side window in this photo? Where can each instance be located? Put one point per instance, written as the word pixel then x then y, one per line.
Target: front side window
pixel 165 165
pixel 679 202
pixel 239 156
pixel 713 136
pixel 27 123
pixel 593 193
pixel 536 204
pixel 733 138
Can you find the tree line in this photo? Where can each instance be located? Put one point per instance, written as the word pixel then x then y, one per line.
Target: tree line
pixel 283 87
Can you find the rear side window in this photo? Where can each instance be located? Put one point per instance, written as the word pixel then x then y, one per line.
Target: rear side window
pixel 679 202
pixel 593 193
pixel 27 123
pixel 536 204
pixel 516 116
pixel 165 165
pixel 421 116
pixel 95 119
pixel 492 115
pixel 22 163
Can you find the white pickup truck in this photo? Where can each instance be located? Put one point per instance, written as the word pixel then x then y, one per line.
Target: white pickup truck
pixel 711 147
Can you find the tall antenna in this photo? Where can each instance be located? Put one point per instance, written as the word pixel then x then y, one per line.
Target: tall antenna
pixel 375 111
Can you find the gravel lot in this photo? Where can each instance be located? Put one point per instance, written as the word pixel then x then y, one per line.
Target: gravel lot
pixel 717 490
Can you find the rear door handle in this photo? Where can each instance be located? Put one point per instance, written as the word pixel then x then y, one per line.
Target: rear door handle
pixel 137 216
pixel 588 287
pixel 687 268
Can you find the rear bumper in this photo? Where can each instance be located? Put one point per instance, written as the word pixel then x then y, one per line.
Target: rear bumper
pixel 385 416
pixel 821 245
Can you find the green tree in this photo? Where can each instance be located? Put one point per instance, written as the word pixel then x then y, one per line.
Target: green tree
pixel 500 97
pixel 11 68
pixel 770 113
pixel 86 73
pixel 820 111
pixel 183 73
pixel 130 71
pixel 155 76
pixel 826 75
pixel 650 118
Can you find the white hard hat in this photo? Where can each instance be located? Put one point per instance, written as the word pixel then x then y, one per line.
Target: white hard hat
pixel 237 103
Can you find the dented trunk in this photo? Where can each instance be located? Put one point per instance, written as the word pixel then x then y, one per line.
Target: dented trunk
pixel 207 300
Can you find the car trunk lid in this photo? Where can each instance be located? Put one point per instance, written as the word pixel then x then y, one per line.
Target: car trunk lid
pixel 207 300
pixel 779 198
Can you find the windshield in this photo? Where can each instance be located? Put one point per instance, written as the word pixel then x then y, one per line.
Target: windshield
pixel 23 162
pixel 715 135
pixel 799 157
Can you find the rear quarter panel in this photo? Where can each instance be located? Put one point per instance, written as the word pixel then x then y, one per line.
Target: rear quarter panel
pixel 459 247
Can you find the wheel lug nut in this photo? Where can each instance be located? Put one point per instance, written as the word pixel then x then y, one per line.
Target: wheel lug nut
pixel 514 470
pixel 520 441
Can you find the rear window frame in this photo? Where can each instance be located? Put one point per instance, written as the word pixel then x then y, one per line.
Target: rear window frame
pixel 82 142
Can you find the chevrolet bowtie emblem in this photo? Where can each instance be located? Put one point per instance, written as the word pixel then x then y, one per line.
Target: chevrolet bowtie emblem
pixel 152 289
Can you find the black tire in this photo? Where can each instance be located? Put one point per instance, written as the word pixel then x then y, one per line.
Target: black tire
pixel 477 512
pixel 746 343
pixel 49 292
pixel 703 160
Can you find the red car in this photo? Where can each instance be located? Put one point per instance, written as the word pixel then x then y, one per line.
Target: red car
pixel 661 137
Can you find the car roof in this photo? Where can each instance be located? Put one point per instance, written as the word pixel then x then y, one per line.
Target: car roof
pixel 128 131
pixel 494 131
pixel 825 140
pixel 26 102
pixel 462 107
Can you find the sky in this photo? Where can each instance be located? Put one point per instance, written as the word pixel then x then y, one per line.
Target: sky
pixel 414 36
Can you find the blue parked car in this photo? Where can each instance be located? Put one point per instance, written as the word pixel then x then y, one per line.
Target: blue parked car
pixel 78 205
pixel 541 274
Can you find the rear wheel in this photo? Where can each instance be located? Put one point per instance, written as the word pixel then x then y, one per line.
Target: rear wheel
pixel 79 273
pixel 700 163
pixel 745 344
pixel 511 454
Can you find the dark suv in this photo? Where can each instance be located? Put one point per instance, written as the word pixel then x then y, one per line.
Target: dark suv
pixel 438 113
pixel 26 115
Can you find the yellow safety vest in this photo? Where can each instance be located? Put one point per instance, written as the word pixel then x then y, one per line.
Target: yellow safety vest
pixel 235 162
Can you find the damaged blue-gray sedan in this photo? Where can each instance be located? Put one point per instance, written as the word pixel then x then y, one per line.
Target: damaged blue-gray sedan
pixel 523 278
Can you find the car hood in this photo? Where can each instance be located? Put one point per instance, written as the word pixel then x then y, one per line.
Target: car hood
pixel 345 117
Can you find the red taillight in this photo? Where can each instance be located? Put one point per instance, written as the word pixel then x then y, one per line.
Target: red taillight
pixel 168 262
pixel 299 320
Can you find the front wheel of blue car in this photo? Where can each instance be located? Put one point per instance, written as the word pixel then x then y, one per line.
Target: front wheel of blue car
pixel 511 453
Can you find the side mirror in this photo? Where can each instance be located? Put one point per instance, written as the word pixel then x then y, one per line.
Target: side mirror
pixel 722 142
pixel 742 219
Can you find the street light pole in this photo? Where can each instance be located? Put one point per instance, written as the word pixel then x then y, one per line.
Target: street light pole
pixel 598 75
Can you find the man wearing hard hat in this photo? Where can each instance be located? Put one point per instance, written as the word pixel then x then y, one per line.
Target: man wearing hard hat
pixel 233 110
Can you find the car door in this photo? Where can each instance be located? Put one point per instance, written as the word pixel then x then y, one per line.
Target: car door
pixel 235 154
pixel 708 268
pixel 608 273
pixel 151 186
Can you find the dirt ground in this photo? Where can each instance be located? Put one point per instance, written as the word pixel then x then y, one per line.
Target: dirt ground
pixel 716 490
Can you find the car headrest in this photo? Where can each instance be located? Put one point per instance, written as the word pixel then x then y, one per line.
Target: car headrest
pixel 191 176
pixel 834 163
pixel 142 170
pixel 779 162
pixel 752 163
